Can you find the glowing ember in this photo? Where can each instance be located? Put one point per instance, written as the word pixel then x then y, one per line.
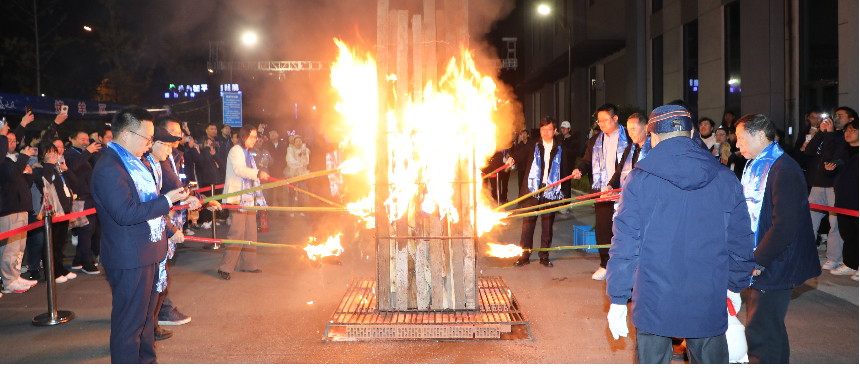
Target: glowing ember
pixel 350 166
pixel 330 248
pixel 504 251
pixel 431 142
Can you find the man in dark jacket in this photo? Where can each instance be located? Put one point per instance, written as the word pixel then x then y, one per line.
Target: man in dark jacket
pixel 134 241
pixel 675 271
pixel 89 236
pixel 277 148
pixel 209 160
pixel 600 161
pixel 786 255
pixel 545 163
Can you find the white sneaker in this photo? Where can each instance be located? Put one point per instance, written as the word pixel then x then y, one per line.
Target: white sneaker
pixel 61 279
pixel 71 275
pixel 301 214
pixel 75 240
pixel 31 283
pixel 206 225
pixel 843 270
pixel 189 232
pixel 600 274
pixel 229 222
pixel 828 265
pixel 17 286
pixel 854 277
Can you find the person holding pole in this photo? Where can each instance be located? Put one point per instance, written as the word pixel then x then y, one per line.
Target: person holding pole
pixel 134 233
pixel 785 253
pixel 600 161
pixel 242 174
pixel 677 273
pixel 545 163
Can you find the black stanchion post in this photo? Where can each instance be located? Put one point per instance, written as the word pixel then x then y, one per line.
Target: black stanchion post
pixel 52 317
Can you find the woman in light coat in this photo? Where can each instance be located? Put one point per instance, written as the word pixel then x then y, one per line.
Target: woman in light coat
pixel 297 164
pixel 242 174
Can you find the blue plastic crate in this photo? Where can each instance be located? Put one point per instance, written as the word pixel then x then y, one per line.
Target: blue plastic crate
pixel 583 235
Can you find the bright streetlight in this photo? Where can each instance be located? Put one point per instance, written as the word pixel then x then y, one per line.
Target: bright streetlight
pixel 87 28
pixel 543 9
pixel 249 38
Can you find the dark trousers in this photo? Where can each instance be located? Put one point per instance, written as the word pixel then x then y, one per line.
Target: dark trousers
pixel 603 228
pixel 504 179
pixel 528 231
pixel 655 349
pixel 206 215
pixel 132 325
pixel 848 231
pixel 59 232
pixel 88 238
pixel 35 245
pixel 767 339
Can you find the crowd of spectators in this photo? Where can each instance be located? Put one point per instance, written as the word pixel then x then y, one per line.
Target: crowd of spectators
pixel 56 164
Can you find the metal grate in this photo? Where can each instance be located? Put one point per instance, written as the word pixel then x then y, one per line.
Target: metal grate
pixel 499 317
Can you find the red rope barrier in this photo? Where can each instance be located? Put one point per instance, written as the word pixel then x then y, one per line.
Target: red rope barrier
pixel 22 229
pixel 843 211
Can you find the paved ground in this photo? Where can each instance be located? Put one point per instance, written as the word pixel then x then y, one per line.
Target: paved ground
pixel 268 317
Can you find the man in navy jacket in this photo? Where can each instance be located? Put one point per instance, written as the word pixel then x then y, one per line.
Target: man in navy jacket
pixel 671 256
pixel 786 255
pixel 128 255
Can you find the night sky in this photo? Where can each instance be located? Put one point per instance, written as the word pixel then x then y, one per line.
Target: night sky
pixel 170 44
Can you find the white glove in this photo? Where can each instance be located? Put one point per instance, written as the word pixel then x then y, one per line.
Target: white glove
pixel 177 238
pixel 192 201
pixel 736 300
pixel 617 318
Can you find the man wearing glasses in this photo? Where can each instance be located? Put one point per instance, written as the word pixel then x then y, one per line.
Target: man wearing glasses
pixel 600 162
pixel 134 233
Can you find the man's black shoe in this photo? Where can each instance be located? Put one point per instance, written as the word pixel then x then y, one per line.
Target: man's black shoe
pixel 161 334
pixel 521 262
pixel 546 262
pixel 90 269
pixel 224 275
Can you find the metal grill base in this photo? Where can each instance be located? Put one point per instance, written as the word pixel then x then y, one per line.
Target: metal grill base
pixel 498 317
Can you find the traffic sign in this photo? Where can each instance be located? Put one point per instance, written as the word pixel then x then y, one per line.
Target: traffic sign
pixel 232 104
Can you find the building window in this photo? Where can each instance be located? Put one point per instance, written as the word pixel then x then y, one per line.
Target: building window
pixel 657 70
pixel 819 55
pixel 691 64
pixel 656 5
pixel 733 57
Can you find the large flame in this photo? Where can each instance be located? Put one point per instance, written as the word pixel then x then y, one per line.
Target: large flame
pixel 435 137
pixel 504 251
pixel 331 247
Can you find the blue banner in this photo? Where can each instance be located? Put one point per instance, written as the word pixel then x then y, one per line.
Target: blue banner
pixel 232 103
pixel 13 105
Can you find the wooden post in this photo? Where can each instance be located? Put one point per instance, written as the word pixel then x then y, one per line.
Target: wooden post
pixel 381 188
pixel 437 264
pixel 468 204
pixel 417 60
pixel 402 34
pixel 442 56
pixel 430 43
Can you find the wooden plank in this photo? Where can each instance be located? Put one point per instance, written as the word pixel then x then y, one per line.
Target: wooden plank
pixel 441 46
pixel 338 312
pixel 457 245
pixel 417 59
pixel 383 253
pixel 430 44
pixel 451 9
pixel 469 280
pixel 420 277
pixel 437 264
pixel 402 296
pixel 462 22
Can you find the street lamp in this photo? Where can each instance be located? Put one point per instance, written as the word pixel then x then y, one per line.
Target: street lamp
pixel 544 10
pixel 249 38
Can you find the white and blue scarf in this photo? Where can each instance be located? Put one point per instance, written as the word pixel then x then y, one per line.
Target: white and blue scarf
pixel 147 188
pixel 598 164
pixel 248 200
pixel 178 218
pixel 628 164
pixel 754 182
pixel 536 175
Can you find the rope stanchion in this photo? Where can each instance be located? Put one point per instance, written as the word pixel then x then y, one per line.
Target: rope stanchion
pixel 847 212
pixel 53 316
pixel 497 170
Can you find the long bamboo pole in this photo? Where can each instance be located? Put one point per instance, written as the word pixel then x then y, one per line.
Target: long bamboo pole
pixel 541 190
pixel 273 184
pixel 563 247
pixel 284 209
pixel 243 242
